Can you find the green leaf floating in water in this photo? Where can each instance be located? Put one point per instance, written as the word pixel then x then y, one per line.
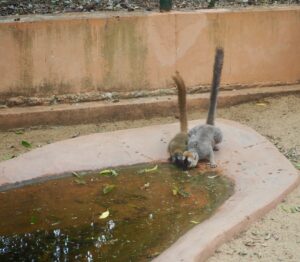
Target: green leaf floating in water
pixel 78 179
pixel 33 220
pixel 76 175
pixel 108 172
pixel 179 191
pixel 175 190
pixel 184 193
pixel 148 170
pixel 25 144
pixel 104 215
pixel 108 188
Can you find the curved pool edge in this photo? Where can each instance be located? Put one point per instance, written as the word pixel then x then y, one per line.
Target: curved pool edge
pixel 262 175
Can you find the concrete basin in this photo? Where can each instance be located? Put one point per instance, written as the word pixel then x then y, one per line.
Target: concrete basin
pixel 262 175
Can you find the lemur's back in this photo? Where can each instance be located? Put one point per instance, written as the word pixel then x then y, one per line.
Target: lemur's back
pixel 203 138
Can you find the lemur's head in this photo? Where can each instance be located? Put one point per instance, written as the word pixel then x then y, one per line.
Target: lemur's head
pixel 177 156
pixel 191 158
pixel 179 160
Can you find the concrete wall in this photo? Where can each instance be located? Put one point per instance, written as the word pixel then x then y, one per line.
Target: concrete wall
pixel 42 56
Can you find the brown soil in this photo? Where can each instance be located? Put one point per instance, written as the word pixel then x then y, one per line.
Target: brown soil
pixel 13 7
pixel 275 237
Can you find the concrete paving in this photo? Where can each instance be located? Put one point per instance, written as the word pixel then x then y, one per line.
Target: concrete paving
pixel 262 175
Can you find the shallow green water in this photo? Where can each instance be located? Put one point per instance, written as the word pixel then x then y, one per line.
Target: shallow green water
pixel 59 220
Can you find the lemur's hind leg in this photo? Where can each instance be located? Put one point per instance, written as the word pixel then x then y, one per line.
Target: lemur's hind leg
pixel 212 161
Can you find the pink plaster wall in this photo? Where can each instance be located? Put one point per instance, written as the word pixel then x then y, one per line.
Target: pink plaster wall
pixel 41 56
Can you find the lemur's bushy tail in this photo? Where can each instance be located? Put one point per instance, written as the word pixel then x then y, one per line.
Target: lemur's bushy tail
pixel 181 101
pixel 217 71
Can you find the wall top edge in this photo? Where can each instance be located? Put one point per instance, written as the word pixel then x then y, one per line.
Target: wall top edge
pixel 112 14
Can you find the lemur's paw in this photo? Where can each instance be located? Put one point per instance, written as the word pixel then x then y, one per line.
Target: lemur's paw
pixel 213 165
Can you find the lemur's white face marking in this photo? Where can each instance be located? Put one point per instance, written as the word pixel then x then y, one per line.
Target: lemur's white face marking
pixel 191 159
pixel 178 156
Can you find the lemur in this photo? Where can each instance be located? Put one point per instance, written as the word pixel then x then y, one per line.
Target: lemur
pixel 202 139
pixel 178 144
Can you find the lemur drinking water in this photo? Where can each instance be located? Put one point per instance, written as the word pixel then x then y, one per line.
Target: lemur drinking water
pixel 178 144
pixel 202 139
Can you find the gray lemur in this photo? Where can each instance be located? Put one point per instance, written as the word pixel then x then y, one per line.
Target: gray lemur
pixel 202 139
pixel 178 144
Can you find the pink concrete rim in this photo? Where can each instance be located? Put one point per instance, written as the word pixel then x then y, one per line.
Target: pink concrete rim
pixel 262 175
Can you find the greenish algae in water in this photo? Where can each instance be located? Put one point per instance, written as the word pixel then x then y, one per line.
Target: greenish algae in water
pixel 59 220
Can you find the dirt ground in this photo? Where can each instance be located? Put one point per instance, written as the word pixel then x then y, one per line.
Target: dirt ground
pixel 13 7
pixel 275 237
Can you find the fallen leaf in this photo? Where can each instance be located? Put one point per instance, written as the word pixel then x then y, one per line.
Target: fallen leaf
pixel 75 135
pixel 194 222
pixel 268 236
pixel 297 208
pixel 179 191
pixel 54 224
pixel 249 244
pixel 284 209
pixel 108 188
pixel 291 209
pixel 147 185
pixel 261 104
pixel 104 215
pixel 19 132
pixel 175 190
pixel 33 220
pixel 148 170
pixel 211 177
pixel 108 172
pixel 151 169
pixel 7 157
pixel 183 193
pixel 79 181
pixel 76 175
pixel 153 255
pixel 25 143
